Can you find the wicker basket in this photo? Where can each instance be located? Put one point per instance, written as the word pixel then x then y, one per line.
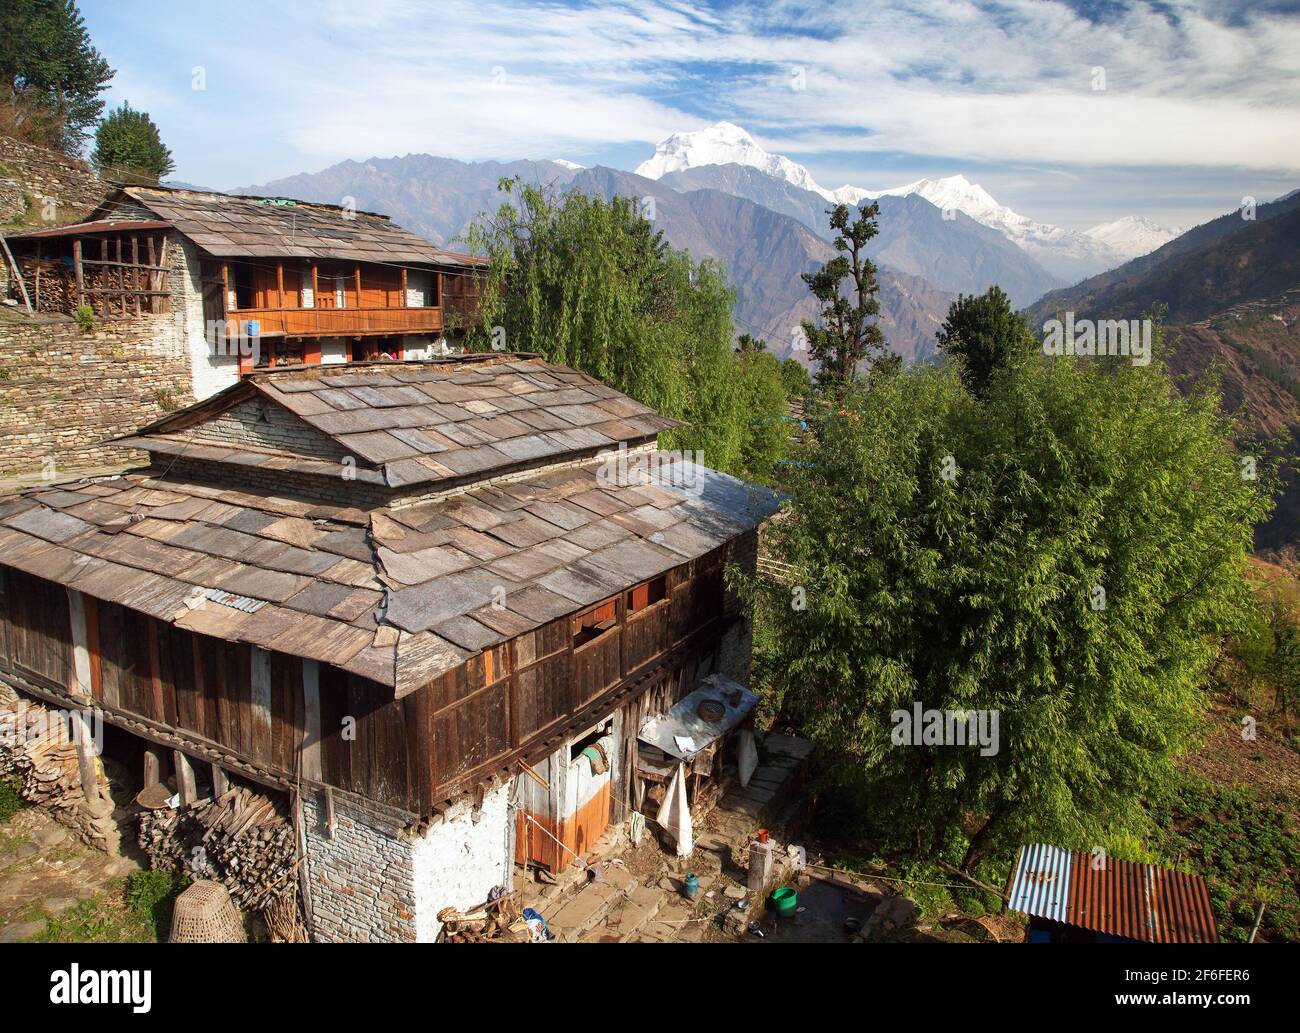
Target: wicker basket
pixel 205 914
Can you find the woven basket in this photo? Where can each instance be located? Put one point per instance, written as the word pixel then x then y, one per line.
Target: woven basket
pixel 205 914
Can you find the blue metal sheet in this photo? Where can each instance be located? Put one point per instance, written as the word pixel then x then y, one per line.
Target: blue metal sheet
pixel 1041 885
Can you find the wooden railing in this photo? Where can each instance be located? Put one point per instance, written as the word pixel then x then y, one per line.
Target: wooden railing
pixel 310 322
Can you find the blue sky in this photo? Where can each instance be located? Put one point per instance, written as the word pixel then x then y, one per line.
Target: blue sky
pixel 1072 113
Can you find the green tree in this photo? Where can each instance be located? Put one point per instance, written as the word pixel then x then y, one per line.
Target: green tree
pixel 1065 553
pixel 589 283
pixel 987 335
pixel 52 73
pixel 797 380
pixel 749 343
pixel 846 335
pixel 127 146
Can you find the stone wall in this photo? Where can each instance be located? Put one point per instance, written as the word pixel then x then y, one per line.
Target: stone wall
pixel 361 877
pixel 63 392
pixel 69 182
pixel 259 423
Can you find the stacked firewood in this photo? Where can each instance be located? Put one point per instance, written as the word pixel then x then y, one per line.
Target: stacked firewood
pixel 497 920
pixel 242 839
pixel 37 747
pixel 55 291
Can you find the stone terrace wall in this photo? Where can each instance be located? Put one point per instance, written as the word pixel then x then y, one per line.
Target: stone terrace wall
pixel 63 392
pixel 39 173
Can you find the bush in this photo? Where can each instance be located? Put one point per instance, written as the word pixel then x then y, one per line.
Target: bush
pixel 11 800
pixel 151 897
pixel 85 316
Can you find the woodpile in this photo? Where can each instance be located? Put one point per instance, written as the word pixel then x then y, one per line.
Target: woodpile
pixel 498 920
pixel 242 839
pixel 54 290
pixel 36 746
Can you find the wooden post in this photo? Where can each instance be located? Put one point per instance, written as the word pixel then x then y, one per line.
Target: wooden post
pixel 219 781
pixel 152 766
pixel 22 287
pixel 185 783
pixel 135 273
pixel 311 746
pixel 36 287
pixel 403 301
pixel 359 301
pixel 152 279
pixel 77 268
pixel 85 742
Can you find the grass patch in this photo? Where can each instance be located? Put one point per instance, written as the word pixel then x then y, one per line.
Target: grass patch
pixel 11 800
pixel 137 909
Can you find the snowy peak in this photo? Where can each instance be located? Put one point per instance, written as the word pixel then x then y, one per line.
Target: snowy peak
pixel 1133 236
pixel 566 164
pixel 725 143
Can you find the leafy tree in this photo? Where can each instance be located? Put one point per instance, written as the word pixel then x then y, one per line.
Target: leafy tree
pixel 51 71
pixel 127 146
pixel 1064 553
pixel 798 382
pixel 588 283
pixel 987 334
pixel 845 334
pixel 748 343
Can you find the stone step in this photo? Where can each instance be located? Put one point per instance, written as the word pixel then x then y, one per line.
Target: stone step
pixel 640 909
pixel 584 911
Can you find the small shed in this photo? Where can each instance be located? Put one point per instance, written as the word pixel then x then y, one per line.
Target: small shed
pixel 1089 897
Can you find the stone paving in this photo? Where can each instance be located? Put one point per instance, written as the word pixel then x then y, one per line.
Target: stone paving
pixel 639 897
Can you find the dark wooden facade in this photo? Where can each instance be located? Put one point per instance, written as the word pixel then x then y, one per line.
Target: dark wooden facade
pixel 209 697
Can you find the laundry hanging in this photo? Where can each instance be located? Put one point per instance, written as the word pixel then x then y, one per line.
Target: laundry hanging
pixel 675 814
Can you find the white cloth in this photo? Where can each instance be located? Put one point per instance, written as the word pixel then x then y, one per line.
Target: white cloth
pixel 747 755
pixel 675 814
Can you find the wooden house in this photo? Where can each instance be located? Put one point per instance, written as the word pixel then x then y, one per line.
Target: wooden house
pixel 407 594
pixel 240 283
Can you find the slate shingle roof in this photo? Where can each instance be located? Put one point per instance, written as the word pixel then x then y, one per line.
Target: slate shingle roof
pixel 413 423
pixel 396 594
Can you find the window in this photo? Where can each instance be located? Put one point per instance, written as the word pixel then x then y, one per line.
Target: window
pixel 644 596
pixel 241 276
pixel 589 738
pixel 594 623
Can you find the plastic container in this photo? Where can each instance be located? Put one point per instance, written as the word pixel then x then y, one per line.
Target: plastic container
pixel 785 900
pixel 691 887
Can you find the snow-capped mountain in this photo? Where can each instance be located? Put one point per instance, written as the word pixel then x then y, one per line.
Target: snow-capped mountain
pixel 1133 236
pixel 566 164
pixel 1066 254
pixel 725 143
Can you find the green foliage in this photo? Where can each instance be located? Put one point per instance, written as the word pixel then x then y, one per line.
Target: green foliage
pixel 1266 651
pixel 988 336
pixel 1247 847
pixel 151 897
pixel 11 800
pixel 845 334
pixel 589 284
pixel 52 72
pixel 128 147
pixel 797 379
pixel 85 317
pixel 950 550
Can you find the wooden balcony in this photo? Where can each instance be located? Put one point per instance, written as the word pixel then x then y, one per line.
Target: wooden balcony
pixel 334 322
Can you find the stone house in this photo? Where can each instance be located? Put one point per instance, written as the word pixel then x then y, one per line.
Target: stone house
pixel 431 602
pixel 225 284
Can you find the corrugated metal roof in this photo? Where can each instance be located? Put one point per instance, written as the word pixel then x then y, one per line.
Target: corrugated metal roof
pixel 1120 898
pixel 1042 883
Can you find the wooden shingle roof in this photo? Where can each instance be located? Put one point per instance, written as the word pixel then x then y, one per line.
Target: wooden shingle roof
pixel 233 226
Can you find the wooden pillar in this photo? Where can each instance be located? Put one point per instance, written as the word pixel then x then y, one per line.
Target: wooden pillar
pixel 152 766
pixel 311 744
pixel 84 739
pixel 36 288
pixel 358 268
pixel 77 268
pixel 185 781
pixel 219 781
pixel 402 304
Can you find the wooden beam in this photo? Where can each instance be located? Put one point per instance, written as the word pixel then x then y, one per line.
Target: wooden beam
pixel 22 287
pixel 79 269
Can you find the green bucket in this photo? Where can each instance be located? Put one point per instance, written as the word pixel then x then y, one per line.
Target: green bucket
pixel 785 900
